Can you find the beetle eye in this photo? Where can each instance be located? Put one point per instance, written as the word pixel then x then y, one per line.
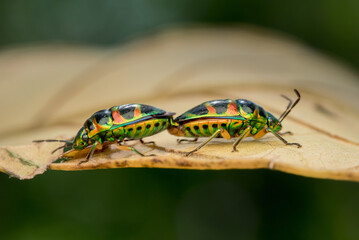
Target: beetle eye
pixel 85 138
pixel 270 121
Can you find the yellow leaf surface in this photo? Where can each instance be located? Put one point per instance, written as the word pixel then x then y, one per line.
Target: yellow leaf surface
pixel 62 86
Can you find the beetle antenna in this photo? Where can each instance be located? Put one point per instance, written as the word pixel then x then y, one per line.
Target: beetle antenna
pixel 52 140
pixel 58 149
pixel 291 107
pixel 289 104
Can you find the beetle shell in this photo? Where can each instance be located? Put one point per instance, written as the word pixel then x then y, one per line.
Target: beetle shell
pixel 232 115
pixel 226 108
pixel 118 116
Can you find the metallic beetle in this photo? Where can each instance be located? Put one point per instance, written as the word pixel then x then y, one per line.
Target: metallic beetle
pixel 229 119
pixel 116 125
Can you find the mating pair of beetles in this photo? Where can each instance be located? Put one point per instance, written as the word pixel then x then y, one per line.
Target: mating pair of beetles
pixel 217 118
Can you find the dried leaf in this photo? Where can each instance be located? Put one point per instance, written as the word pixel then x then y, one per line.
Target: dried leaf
pixel 176 71
pixel 24 162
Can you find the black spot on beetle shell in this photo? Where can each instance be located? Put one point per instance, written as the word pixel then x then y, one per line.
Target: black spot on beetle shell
pixel 127 111
pixel 102 117
pixel 198 110
pixel 262 112
pixel 246 105
pixel 147 109
pixel 89 125
pixel 221 106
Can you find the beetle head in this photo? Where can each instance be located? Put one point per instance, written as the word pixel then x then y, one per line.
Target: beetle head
pixel 81 140
pixel 273 123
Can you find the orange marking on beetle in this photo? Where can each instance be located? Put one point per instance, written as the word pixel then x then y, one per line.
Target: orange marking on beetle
pixel 117 118
pixel 256 113
pixel 232 109
pixel 137 112
pixel 211 110
pixel 96 130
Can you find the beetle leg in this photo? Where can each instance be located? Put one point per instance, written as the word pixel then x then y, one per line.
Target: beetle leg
pixel 221 131
pixel 128 148
pixel 282 139
pixel 141 141
pixel 284 133
pixel 89 155
pixel 145 143
pixel 187 140
pixel 240 138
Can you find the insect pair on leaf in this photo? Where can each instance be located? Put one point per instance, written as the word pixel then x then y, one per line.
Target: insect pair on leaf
pixel 226 118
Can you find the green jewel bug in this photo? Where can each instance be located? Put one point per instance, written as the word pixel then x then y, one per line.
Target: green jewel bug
pixel 117 125
pixel 229 118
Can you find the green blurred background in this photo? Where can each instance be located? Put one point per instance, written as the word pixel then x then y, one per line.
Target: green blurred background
pixel 178 204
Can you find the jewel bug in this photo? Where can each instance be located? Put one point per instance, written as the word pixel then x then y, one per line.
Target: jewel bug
pixel 228 119
pixel 117 125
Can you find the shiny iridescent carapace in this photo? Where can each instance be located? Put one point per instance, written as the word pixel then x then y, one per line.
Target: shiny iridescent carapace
pixel 229 119
pixel 116 125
